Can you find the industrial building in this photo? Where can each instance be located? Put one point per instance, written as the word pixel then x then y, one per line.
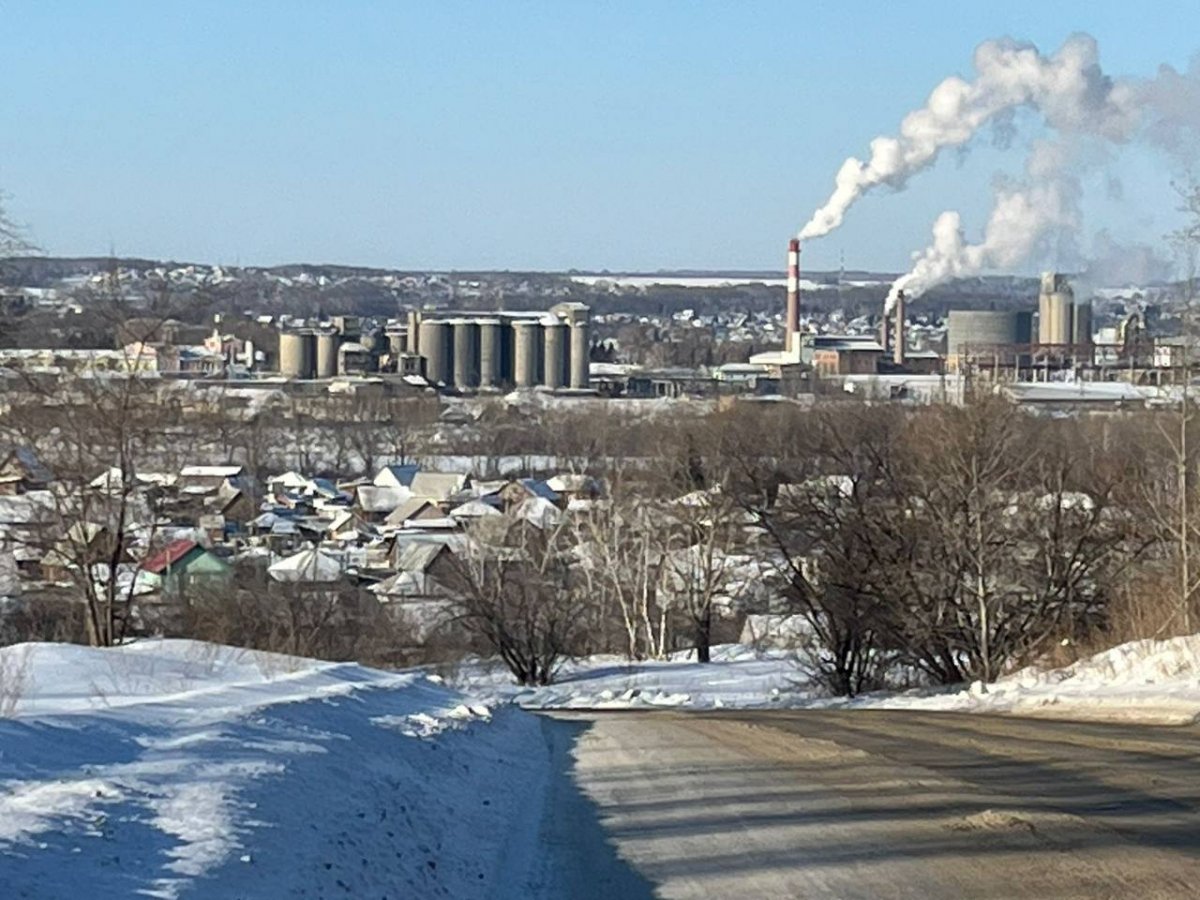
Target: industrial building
pixel 845 354
pixel 1064 325
pixel 484 351
pixel 460 350
pixel 1006 345
pixel 997 337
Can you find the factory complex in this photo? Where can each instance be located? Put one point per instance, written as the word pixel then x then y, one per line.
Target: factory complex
pixel 465 351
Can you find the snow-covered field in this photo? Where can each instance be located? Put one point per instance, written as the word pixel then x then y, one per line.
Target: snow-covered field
pixel 174 769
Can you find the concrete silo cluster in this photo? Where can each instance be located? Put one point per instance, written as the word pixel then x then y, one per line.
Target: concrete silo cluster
pixel 337 347
pixel 471 352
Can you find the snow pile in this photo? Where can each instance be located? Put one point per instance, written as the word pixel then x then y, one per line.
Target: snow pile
pixel 1136 663
pixel 177 768
pixel 738 677
pixel 1148 681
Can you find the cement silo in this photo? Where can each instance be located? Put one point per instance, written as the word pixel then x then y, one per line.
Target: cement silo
pixel 466 354
pixel 491 373
pixel 297 354
pixel 1056 303
pixel 527 346
pixel 437 349
pixel 1081 325
pixel 327 353
pixel 414 331
pixel 581 348
pixel 554 358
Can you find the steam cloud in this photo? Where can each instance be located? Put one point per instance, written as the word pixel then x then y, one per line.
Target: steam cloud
pixel 1068 88
pixel 1076 100
pixel 1027 214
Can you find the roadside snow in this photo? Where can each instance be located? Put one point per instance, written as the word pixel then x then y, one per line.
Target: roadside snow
pixel 738 677
pixel 1148 681
pixel 176 768
pixel 173 768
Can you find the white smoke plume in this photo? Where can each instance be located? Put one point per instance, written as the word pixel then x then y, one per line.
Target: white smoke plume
pixel 1171 102
pixel 1068 89
pixel 1027 214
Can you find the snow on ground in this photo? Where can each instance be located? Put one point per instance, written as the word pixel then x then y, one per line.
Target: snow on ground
pixel 1149 681
pixel 176 768
pixel 738 677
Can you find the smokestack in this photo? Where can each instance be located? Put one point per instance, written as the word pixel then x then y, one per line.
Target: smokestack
pixel 792 323
pixel 898 339
pixel 885 331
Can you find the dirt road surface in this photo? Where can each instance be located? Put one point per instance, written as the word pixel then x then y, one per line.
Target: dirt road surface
pixel 866 805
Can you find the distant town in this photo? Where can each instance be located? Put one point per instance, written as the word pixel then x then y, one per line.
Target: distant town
pixel 675 335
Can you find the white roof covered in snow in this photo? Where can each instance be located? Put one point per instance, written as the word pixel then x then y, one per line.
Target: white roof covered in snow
pixel 311 566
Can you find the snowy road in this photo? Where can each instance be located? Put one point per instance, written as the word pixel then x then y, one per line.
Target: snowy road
pixel 867 804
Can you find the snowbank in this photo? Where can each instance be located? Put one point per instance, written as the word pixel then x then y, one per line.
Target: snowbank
pixel 176 768
pixel 1146 681
pixel 739 677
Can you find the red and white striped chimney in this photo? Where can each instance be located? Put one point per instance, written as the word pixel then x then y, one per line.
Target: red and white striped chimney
pixel 792 341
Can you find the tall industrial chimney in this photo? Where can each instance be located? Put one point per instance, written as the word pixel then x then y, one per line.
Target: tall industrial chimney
pixel 792 323
pixel 898 338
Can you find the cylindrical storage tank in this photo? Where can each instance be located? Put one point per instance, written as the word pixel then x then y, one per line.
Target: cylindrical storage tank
pixel 554 374
pixel 526 350
pixel 437 350
pixel 297 354
pixel 327 354
pixel 490 352
pixel 414 331
pixel 508 353
pixel 1081 332
pixel 967 329
pixel 581 348
pixel 466 355
pixel 988 334
pixel 1081 327
pixel 1061 312
pixel 291 354
pixel 397 340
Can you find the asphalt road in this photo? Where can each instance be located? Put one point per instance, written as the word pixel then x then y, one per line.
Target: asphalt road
pixel 867 805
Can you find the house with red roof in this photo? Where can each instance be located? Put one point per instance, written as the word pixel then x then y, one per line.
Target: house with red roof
pixel 184 566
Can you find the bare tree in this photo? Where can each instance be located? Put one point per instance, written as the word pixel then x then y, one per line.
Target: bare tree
pixel 96 436
pixel 621 552
pixel 705 571
pixel 1183 527
pixel 14 240
pixel 97 430
pixel 515 589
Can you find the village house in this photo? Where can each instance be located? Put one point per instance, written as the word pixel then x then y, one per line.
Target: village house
pixel 22 472
pixel 183 567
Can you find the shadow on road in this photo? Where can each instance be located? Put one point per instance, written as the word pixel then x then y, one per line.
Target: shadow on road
pixel 576 856
pixel 887 805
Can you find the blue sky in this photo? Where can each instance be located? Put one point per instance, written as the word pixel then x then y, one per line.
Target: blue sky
pixel 522 135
